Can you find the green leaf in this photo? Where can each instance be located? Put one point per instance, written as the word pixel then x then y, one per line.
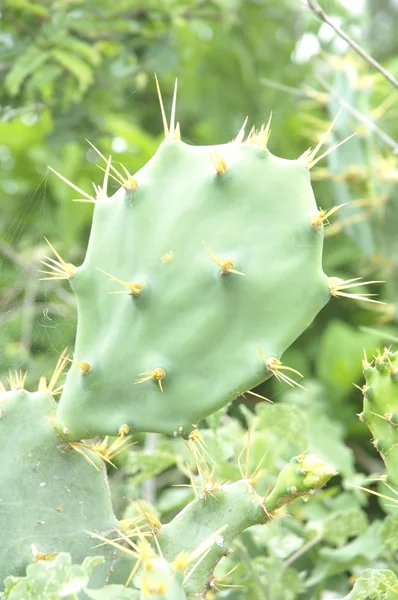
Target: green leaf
pixel 51 579
pixel 339 360
pixel 32 8
pixel 360 551
pixel 389 532
pixel 77 67
pixel 375 585
pixel 87 51
pixel 339 527
pixel 113 592
pixel 27 63
pixel 143 464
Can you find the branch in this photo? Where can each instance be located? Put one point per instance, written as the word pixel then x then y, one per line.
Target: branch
pixel 318 10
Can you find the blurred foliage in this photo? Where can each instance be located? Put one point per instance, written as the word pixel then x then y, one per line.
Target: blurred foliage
pixel 73 70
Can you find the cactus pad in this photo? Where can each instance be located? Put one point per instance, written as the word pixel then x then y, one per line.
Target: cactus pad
pixel 196 279
pixel 380 407
pixel 50 495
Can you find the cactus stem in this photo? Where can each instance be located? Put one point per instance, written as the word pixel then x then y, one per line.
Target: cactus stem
pixel 219 162
pixel 260 137
pixel 338 286
pixel 84 365
pixel 226 265
pixel 60 269
pixel 275 366
pixel 134 289
pixel 16 379
pixel 241 133
pixel 157 374
pixel 173 132
pixel 322 216
pixel 87 197
pixel 201 552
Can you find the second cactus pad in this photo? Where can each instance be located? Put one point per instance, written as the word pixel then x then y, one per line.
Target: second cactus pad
pixel 200 272
pixel 51 496
pixel 380 407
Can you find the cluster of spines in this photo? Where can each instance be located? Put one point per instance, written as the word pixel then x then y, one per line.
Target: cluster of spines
pixel 105 449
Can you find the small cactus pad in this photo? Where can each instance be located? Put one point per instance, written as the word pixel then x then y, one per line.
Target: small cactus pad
pixel 229 509
pixel 380 407
pixel 221 512
pixel 190 282
pixel 303 475
pixel 50 495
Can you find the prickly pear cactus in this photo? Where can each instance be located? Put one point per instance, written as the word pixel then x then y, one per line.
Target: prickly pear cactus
pixel 51 496
pixel 380 407
pixel 200 271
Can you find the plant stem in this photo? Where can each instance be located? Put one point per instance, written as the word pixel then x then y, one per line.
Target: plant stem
pixel 318 10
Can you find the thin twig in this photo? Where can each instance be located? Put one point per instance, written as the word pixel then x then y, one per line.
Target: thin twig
pixel 303 550
pixel 318 10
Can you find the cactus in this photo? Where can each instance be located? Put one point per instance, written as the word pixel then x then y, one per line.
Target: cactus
pixel 195 540
pixel 201 270
pixel 380 407
pixel 50 494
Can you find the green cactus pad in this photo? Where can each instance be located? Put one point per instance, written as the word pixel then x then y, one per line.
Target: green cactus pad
pixel 380 408
pixel 235 506
pixel 301 477
pixel 50 496
pixel 191 326
pixel 221 512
